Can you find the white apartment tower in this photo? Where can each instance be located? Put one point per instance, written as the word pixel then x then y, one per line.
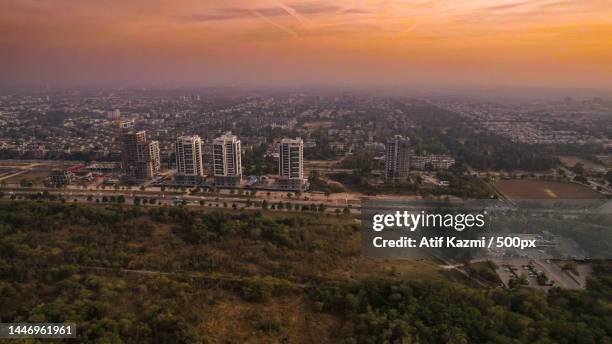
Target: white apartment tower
pixel 189 168
pixel 291 164
pixel 227 164
pixel 397 159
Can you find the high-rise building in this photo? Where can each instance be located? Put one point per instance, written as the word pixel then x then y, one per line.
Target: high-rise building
pixel 397 158
pixel 139 157
pixel 291 164
pixel 189 169
pixel 227 163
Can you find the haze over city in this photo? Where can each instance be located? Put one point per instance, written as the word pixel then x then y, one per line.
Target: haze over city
pixel 513 43
pixel 306 171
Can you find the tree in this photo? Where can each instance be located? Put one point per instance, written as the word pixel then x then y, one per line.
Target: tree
pixel 542 279
pixel 578 168
pixel 608 177
pixel 581 179
pixel 346 210
pixel 264 204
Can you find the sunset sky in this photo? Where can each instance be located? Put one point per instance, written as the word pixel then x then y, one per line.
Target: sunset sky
pixel 342 42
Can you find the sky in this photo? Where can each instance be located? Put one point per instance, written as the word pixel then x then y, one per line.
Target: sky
pixel 462 43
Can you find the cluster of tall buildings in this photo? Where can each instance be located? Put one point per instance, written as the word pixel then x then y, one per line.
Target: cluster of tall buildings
pixel 223 156
pixel 223 159
pixel 400 158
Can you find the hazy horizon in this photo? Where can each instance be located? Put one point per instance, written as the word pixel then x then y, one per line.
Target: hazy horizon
pixel 512 44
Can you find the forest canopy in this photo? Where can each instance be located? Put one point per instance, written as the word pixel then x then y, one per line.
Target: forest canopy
pixel 174 275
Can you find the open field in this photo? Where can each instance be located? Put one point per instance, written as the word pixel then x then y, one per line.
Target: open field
pixel 570 161
pixel 12 172
pixel 542 189
pixel 36 176
pixel 321 163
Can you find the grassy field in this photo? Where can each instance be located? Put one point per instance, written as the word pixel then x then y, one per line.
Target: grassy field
pixel 541 189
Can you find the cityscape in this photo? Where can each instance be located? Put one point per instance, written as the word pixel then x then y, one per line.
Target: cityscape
pixel 306 171
pixel 276 143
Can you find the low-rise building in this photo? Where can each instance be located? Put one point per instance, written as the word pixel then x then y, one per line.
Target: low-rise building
pixel 431 162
